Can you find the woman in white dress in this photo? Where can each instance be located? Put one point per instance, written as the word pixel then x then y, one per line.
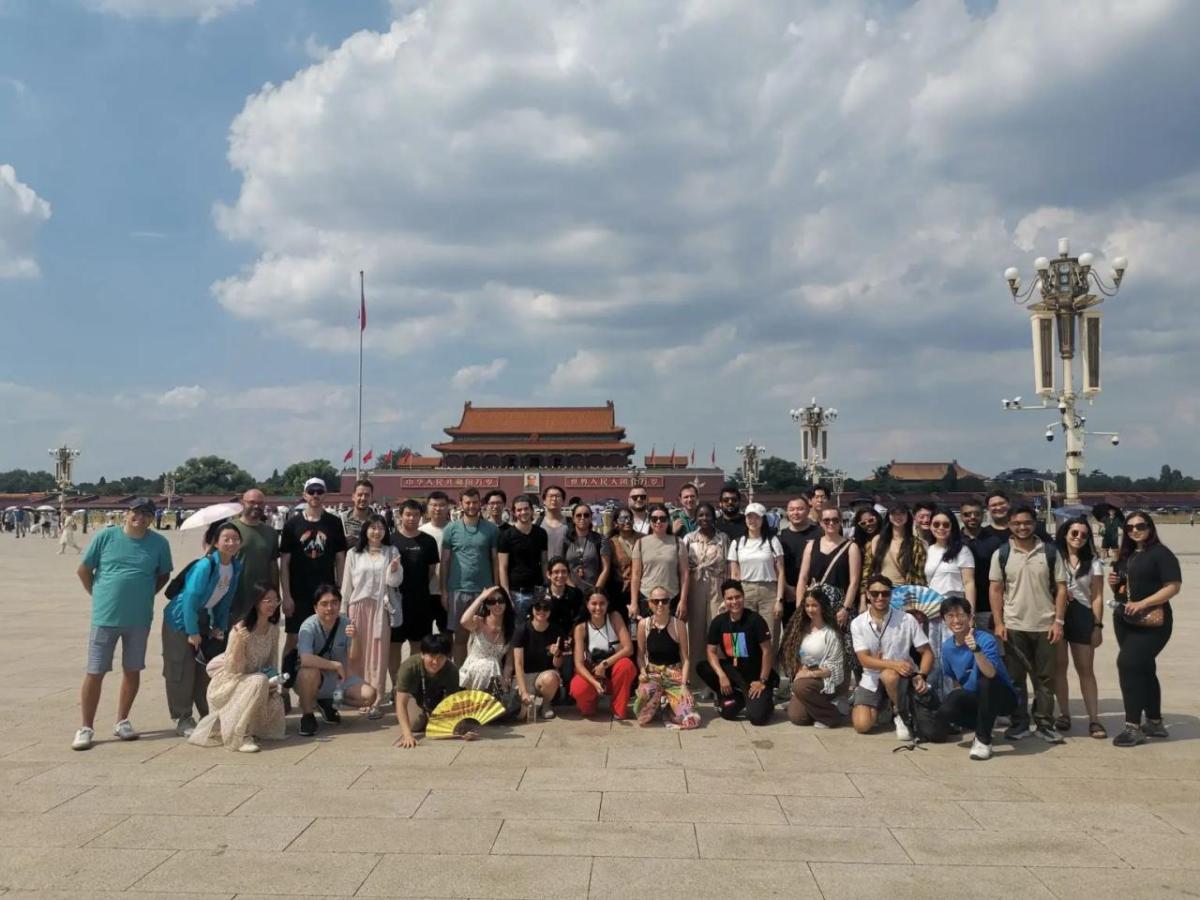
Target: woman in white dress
pixel 372 570
pixel 949 570
pixel 491 621
pixel 244 706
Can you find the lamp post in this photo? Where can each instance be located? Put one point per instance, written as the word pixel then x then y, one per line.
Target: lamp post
pixel 64 459
pixel 751 455
pixel 814 422
pixel 1065 309
pixel 169 488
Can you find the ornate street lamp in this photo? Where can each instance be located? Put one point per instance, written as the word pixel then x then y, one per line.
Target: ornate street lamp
pixel 751 455
pixel 814 422
pixel 64 460
pixel 1065 309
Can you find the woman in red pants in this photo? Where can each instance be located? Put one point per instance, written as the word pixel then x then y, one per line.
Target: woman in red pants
pixel 603 659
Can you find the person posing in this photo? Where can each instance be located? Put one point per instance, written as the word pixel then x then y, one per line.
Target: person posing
pixel 730 520
pixel 706 551
pixel 793 538
pixel 683 519
pixel 199 613
pixel 470 558
pixel 603 660
pixel 521 552
pixel 552 521
pixel 866 526
pixel 244 706
pixel 122 569
pixel 833 560
pixel 658 561
pixel 418 562
pixel 814 656
pixel 312 549
pixel 438 510
pixel 972 661
pixel 538 652
pixel 621 540
pixel 949 570
pixel 327 645
pixel 490 622
pixel 897 554
pixel 756 560
pixel 1084 623
pixel 587 552
pixel 738 667
pixel 637 506
pixel 1029 602
pixel 360 509
pixel 259 554
pixel 884 640
pixel 373 570
pixel 663 654
pixel 423 681
pixel 982 545
pixel 1148 577
pixel 922 517
pixel 494 502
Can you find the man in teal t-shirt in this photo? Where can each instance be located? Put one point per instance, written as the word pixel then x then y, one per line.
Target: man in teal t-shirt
pixel 122 570
pixel 469 565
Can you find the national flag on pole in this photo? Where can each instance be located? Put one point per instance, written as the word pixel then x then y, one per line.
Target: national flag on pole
pixel 368 456
pixel 672 456
pixel 349 455
pixel 653 447
pixel 714 455
pixel 387 458
pixel 362 308
pixel 693 460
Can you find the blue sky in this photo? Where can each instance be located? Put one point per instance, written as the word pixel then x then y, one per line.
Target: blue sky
pixel 707 216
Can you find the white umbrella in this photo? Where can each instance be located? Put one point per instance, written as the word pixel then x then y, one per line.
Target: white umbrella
pixel 45 508
pixel 202 518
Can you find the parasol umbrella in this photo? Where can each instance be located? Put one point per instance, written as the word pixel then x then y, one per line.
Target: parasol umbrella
pixel 1070 512
pixel 1100 510
pixel 204 517
pixel 45 508
pixel 917 597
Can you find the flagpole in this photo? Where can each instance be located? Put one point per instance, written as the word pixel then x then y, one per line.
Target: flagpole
pixel 362 327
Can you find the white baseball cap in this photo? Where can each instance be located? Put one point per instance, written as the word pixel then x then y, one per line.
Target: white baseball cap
pixel 315 482
pixel 755 509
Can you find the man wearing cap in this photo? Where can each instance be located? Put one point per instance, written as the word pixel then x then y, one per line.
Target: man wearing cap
pixel 312 549
pixel 122 570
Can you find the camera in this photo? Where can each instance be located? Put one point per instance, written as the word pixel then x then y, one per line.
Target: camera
pixel 1049 434
pixel 1116 439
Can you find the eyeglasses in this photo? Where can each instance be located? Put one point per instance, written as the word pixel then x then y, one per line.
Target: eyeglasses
pixel 831 521
pixel 879 593
pixel 1137 526
pixel 583 515
pixel 658 518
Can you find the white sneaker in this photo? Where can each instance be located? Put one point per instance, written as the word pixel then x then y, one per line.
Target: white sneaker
pixel 125 731
pixel 248 746
pixel 902 732
pixel 185 726
pixel 83 739
pixel 980 750
pixel 819 725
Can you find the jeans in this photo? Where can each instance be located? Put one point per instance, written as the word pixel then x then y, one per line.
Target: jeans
pixel 1137 668
pixel 758 709
pixel 1030 653
pixel 978 709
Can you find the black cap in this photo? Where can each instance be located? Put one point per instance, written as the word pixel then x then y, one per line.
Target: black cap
pixel 142 504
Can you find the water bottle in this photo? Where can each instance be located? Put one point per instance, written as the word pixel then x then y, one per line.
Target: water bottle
pixel 338 696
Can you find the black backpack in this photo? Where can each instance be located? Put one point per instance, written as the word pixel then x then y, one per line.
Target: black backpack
pixel 1051 558
pixel 175 585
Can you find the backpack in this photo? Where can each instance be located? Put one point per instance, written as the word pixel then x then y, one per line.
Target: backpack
pixel 1051 558
pixel 175 586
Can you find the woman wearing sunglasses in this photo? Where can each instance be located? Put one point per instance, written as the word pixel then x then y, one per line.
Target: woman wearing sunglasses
pixel 622 539
pixel 1084 626
pixel 1145 578
pixel 949 570
pixel 490 621
pixel 897 554
pixel 587 551
pixel 658 561
pixel 538 653
pixel 664 657
pixel 833 560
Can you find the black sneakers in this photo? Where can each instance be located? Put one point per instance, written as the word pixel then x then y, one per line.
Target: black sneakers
pixel 1153 729
pixel 308 725
pixel 1130 737
pixel 329 712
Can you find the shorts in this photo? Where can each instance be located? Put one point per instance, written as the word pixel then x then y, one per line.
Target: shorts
pixel 291 624
pixel 1080 623
pixel 102 641
pixel 329 684
pixel 876 699
pixel 532 677
pixel 459 601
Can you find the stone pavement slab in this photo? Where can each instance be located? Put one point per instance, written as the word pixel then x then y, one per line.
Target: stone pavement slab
pixel 1118 884
pixel 644 806
pixel 54 829
pixel 888 882
pixel 701 879
pixel 636 839
pixel 536 805
pixel 421 836
pixel 929 846
pixel 851 812
pixel 203 833
pixel 302 874
pixel 80 870
pixel 499 877
pixel 805 843
pixel 672 781
pixel 157 799
pixel 313 802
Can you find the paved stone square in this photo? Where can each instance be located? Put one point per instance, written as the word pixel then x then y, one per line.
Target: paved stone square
pixel 567 808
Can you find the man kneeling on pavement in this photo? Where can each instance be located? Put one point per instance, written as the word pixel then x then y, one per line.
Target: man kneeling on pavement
pixel 326 645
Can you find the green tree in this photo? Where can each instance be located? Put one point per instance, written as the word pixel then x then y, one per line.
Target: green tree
pixel 780 474
pixel 274 484
pixel 22 481
pixel 296 474
pixel 211 475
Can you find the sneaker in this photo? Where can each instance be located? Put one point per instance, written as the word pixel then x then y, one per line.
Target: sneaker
pixel 124 730
pixel 83 739
pixel 1130 737
pixel 1153 729
pixel 547 712
pixel 374 713
pixel 1017 732
pixel 185 726
pixel 980 750
pixel 902 731
pixel 820 725
pixel 1048 734
pixel 329 712
pixel 248 746
pixel 308 725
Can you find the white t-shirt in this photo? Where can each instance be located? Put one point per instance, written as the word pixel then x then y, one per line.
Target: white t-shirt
pixel 223 581
pixel 433 531
pixel 756 557
pixel 1079 587
pixel 812 649
pixel 895 639
pixel 945 575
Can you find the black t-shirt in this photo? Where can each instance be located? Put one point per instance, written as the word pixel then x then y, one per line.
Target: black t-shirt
pixel 793 548
pixel 734 527
pixel 536 645
pixel 983 548
pixel 524 556
pixel 417 554
pixel 741 641
pixel 566 610
pixel 1149 570
pixel 313 549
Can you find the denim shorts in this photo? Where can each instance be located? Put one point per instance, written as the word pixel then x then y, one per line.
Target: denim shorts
pixel 102 642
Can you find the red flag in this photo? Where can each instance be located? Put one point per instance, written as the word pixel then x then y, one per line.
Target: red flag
pixel 387 458
pixel 349 455
pixel 367 457
pixel 362 305
pixel 714 455
pixel 693 460
pixel 652 449
pixel 672 456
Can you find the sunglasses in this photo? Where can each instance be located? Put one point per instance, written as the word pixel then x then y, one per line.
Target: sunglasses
pixel 1137 526
pixel 939 525
pixel 582 515
pixel 659 601
pixel 879 593
pixel 639 496
pixel 541 607
pixel 831 521
pixel 1077 534
pixel 315 492
pixel 624 518
pixel 658 518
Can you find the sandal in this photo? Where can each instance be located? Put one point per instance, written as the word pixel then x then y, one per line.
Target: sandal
pixel 1096 730
pixel 1062 723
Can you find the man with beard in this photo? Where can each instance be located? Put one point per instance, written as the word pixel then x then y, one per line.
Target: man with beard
pixel 637 505
pixel 730 520
pixel 259 553
pixel 683 520
pixel 360 510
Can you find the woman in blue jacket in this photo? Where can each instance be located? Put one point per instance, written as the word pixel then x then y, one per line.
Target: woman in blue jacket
pixel 200 610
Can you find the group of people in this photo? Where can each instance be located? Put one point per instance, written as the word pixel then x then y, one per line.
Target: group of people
pixel 913 617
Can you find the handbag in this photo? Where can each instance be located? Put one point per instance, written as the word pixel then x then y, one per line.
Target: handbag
pixel 1150 618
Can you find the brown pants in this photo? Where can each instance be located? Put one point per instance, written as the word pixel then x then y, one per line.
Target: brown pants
pixel 807 704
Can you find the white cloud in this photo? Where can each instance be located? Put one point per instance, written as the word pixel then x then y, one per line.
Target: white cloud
pixel 202 10
pixel 191 397
pixel 22 214
pixel 472 376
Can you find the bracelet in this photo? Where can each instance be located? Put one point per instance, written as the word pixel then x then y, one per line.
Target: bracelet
pixel 1059 622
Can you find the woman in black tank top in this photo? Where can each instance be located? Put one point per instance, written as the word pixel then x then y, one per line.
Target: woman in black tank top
pixel 663 654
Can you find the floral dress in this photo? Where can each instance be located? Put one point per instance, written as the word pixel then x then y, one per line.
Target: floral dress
pixel 481 669
pixel 240 701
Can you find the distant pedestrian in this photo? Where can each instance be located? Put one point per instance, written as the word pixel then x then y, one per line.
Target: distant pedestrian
pixel 66 535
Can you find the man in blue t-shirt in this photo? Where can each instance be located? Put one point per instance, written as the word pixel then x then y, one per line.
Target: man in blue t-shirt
pixel 470 563
pixel 973 659
pixel 327 645
pixel 122 570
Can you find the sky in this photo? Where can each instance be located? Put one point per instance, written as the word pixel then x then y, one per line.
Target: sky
pixel 709 212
